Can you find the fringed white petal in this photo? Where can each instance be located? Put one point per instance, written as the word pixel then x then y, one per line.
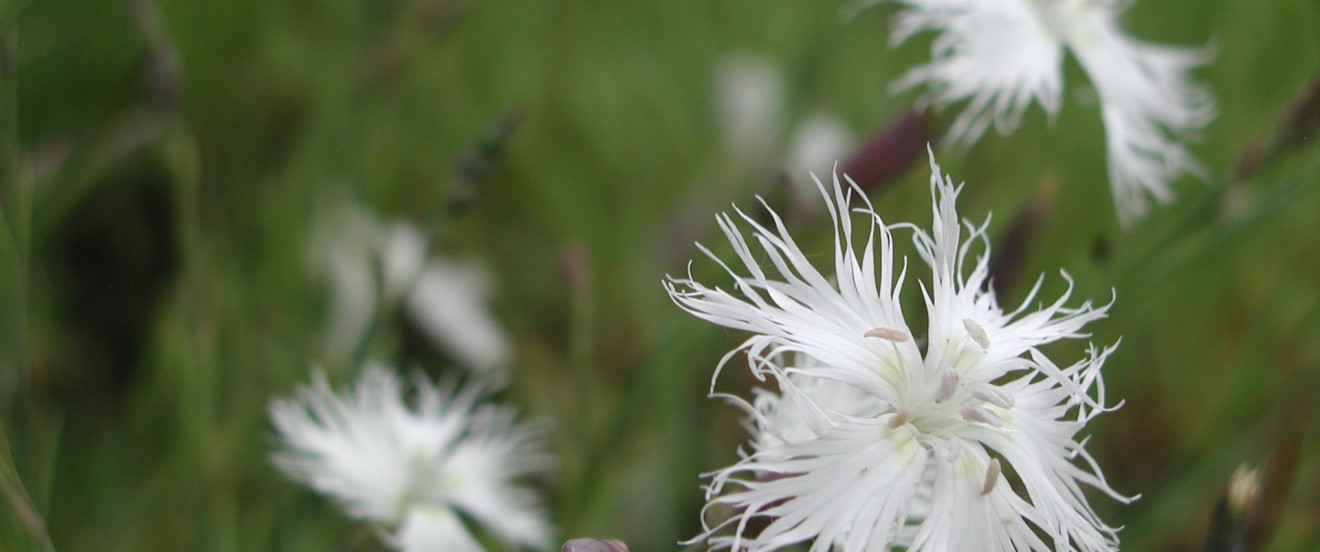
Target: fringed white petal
pixel 797 309
pixel 1002 55
pixel 407 464
pixel 967 326
pixel 450 304
pixel 361 449
pixel 851 486
pixel 867 443
pixel 804 409
pixel 1146 99
pixel 963 516
pixel 428 529
pixel 480 469
pixel 994 53
pixel 1041 443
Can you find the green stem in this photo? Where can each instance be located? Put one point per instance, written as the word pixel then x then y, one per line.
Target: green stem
pixel 33 529
pixel 15 194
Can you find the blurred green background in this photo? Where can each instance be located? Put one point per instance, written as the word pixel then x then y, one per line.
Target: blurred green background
pixel 165 165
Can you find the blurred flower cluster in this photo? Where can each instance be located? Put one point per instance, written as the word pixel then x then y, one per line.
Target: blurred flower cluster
pixel 377 267
pixel 418 460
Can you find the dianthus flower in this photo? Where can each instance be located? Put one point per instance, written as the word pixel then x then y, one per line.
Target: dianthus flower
pixel 1002 55
pixel 413 468
pixel 873 437
pixel 378 265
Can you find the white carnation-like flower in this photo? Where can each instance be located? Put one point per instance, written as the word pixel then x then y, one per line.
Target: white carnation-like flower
pixel 374 264
pixel 874 437
pixel 414 466
pixel 1003 55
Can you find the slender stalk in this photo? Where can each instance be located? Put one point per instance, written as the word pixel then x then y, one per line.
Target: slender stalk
pixel 582 342
pixel 15 196
pixel 32 529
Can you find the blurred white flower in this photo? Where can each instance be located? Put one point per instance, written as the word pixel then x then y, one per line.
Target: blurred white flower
pixel 875 437
pixel 821 141
pixel 449 304
pixel 749 92
pixel 753 115
pixel 401 251
pixel 370 262
pixel 343 251
pixel 1004 54
pixel 413 466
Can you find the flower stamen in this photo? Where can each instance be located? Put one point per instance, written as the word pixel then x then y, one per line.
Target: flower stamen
pixel 977 333
pixel 948 385
pixel 991 477
pixel 994 395
pixel 978 414
pixel 887 334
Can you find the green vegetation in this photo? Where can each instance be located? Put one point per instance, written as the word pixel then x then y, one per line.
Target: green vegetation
pixel 165 165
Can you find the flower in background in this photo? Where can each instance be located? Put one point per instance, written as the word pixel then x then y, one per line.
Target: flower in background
pixel 750 95
pixel 448 302
pixel 373 265
pixel 874 437
pixel 1002 55
pixel 414 466
pixel 819 143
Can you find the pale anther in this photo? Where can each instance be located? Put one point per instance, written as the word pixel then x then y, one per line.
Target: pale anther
pixel 887 334
pixel 993 395
pixel 977 414
pixel 955 448
pixel 976 333
pixel 897 420
pixel 991 477
pixel 948 384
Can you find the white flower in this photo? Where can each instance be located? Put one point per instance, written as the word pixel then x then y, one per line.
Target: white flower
pixel 1002 55
pixel 875 437
pixel 818 144
pixel 753 115
pixel 749 94
pixel 449 303
pixel 374 264
pixel 414 467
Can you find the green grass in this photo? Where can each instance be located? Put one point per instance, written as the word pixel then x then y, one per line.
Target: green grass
pixel 155 290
